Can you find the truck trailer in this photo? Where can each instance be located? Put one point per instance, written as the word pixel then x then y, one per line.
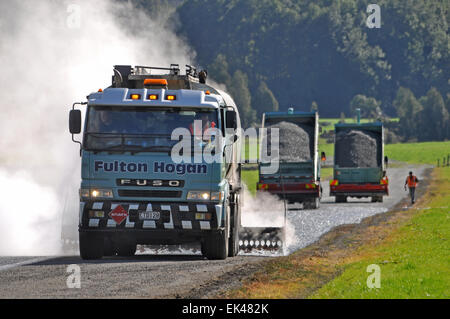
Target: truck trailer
pixel 359 162
pixel 132 190
pixel 298 177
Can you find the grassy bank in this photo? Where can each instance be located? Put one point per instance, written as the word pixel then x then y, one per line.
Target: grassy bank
pixel 411 247
pixel 414 261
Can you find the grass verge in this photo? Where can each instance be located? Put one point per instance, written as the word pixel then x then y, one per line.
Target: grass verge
pixel 414 261
pixel 411 247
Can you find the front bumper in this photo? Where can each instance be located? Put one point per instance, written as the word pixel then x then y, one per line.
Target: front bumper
pixel 186 217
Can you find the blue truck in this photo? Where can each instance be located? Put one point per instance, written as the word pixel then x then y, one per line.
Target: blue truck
pixel 298 177
pixel 132 189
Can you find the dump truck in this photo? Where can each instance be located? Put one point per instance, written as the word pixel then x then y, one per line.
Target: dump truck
pixel 133 189
pixel 298 177
pixel 359 162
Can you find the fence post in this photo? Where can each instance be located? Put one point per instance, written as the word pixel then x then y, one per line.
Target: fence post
pixel 448 160
pixel 438 162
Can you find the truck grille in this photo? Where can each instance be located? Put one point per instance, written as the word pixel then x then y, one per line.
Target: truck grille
pixel 149 193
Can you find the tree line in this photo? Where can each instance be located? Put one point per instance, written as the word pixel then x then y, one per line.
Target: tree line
pixel 319 54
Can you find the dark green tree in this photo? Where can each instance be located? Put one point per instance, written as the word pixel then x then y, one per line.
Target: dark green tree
pixel 263 100
pixel 370 108
pixel 434 118
pixel 408 108
pixel 238 89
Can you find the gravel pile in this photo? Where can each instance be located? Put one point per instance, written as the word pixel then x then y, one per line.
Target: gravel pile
pixel 355 148
pixel 294 141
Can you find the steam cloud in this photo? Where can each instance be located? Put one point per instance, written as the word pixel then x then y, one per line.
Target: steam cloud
pixel 52 54
pixel 267 210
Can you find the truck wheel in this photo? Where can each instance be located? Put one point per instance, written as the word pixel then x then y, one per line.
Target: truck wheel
pixel 216 245
pixel 235 223
pixel 306 204
pixel 315 203
pixel 126 249
pixel 91 246
pixel 341 199
pixel 203 248
pixel 108 248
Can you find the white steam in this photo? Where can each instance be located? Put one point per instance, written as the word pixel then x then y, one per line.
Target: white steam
pixel 52 54
pixel 267 210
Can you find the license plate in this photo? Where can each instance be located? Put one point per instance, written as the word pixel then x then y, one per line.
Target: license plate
pixel 149 215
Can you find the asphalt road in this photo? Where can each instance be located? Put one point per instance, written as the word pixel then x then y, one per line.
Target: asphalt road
pixel 176 275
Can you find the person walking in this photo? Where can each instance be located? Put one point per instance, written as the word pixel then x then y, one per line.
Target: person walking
pixel 411 182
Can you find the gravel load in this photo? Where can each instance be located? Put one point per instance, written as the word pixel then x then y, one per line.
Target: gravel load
pixel 356 148
pixel 294 141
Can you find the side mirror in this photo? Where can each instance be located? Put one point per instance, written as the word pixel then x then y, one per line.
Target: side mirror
pixel 75 121
pixel 323 157
pixel 231 122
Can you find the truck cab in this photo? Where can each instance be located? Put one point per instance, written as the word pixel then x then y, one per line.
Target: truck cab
pixel 134 188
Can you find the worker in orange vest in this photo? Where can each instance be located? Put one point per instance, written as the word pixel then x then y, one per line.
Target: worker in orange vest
pixel 411 181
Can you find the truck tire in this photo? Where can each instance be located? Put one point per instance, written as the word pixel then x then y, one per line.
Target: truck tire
pixel 377 199
pixel 91 246
pixel 203 248
pixel 126 249
pixel 341 199
pixel 315 203
pixel 216 245
pixel 235 223
pixel 108 247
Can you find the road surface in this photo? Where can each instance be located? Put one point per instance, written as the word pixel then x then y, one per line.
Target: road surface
pixel 173 276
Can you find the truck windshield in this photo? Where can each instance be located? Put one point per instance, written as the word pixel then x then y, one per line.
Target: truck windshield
pixel 121 128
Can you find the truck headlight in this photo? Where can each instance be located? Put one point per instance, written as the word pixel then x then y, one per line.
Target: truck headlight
pixel 204 195
pixel 198 195
pixel 96 193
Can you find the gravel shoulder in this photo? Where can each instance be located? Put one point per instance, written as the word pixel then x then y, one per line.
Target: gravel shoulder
pixel 184 276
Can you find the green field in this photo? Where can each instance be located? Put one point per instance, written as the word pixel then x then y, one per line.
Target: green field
pixel 414 262
pixel 418 153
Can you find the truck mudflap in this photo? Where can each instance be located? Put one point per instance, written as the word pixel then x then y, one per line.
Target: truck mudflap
pixel 359 189
pixel 151 216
